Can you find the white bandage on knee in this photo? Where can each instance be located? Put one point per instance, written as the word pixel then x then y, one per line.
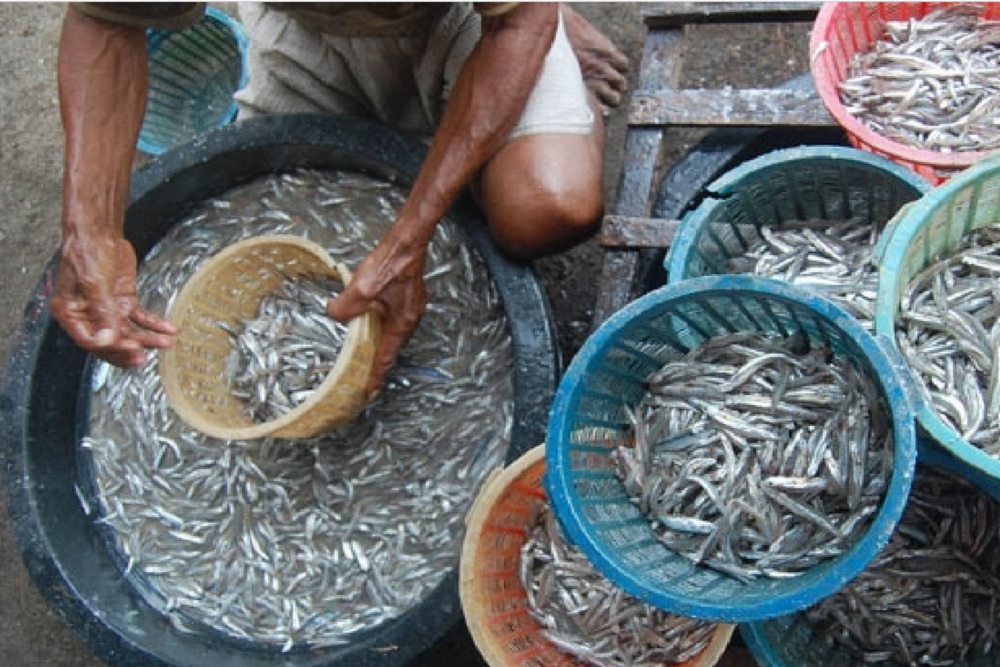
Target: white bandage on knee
pixel 558 104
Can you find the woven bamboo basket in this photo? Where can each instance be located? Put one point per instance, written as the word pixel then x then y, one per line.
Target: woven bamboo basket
pixel 493 600
pixel 227 289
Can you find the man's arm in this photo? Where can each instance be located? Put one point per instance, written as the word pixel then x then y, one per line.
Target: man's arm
pixel 102 95
pixel 488 97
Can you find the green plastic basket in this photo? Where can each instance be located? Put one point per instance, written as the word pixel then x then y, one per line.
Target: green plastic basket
pixel 928 228
pixel 193 74
pixel 832 183
pixel 589 419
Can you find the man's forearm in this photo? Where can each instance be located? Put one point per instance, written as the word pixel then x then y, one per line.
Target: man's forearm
pixel 102 94
pixel 488 97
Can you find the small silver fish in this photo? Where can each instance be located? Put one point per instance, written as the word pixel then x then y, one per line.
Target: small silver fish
pixel 758 458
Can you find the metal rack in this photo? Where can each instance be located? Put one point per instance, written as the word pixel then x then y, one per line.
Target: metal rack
pixel 658 104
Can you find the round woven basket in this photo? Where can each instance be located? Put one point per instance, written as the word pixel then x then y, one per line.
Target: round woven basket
pixel 608 377
pixel 843 29
pixel 227 290
pixel 494 603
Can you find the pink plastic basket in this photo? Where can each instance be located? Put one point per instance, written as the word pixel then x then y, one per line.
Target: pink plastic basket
pixel 843 29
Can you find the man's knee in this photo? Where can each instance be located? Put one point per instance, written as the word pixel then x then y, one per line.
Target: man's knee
pixel 545 221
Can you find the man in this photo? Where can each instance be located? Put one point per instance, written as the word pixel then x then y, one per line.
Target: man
pixel 511 95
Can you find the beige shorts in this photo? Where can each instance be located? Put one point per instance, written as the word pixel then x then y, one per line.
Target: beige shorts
pixel 403 81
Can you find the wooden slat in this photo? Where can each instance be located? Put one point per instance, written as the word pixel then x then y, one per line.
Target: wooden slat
pixel 619 231
pixel 673 14
pixel 660 69
pixel 747 107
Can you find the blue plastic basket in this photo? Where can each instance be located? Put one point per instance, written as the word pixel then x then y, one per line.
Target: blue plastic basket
pixel 930 227
pixel 589 419
pixel 832 183
pixel 193 74
pixel 791 641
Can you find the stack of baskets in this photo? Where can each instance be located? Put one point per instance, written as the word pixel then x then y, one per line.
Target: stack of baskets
pixel 590 415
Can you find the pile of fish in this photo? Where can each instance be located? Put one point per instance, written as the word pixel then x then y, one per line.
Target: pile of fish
pixel 298 544
pixel 758 455
pixel 587 616
pixel 931 596
pixel 948 329
pixel 283 354
pixel 932 82
pixel 830 257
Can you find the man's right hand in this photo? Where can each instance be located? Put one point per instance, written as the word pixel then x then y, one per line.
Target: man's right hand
pixel 97 305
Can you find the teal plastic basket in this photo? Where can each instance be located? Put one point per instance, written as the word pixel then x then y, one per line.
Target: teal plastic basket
pixel 791 641
pixel 193 74
pixel 608 375
pixel 832 183
pixel 931 227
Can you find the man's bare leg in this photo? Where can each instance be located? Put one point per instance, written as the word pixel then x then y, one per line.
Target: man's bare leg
pixel 543 193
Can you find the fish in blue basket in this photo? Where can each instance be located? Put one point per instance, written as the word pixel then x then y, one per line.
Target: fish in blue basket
pixel 830 257
pixel 758 455
pixel 932 596
pixel 588 617
pixel 299 545
pixel 948 329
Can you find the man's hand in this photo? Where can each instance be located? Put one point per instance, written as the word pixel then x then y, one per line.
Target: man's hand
pixel 389 282
pixel 489 96
pixel 96 303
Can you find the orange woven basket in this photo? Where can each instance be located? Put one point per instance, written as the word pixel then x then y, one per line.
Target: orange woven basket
pixel 228 289
pixel 494 603
pixel 843 29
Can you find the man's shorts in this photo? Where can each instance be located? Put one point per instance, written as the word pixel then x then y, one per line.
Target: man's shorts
pixel 401 80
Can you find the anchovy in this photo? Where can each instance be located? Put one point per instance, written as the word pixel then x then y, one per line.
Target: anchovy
pixel 931 595
pixel 285 352
pixel 588 617
pixel 298 544
pixel 757 457
pixel 931 82
pixel 948 329
pixel 830 257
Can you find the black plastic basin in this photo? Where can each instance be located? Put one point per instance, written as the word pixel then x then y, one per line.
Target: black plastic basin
pixel 45 392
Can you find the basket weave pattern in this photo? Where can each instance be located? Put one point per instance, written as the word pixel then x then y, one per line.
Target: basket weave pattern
pixel 228 289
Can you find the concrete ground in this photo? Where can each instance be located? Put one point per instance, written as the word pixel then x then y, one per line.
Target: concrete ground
pixel 30 186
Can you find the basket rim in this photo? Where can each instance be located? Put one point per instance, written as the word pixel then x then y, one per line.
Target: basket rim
pixel 238 32
pixel 188 410
pixel 676 260
pixel 825 80
pixel 895 386
pixel 475 519
pixel 911 222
